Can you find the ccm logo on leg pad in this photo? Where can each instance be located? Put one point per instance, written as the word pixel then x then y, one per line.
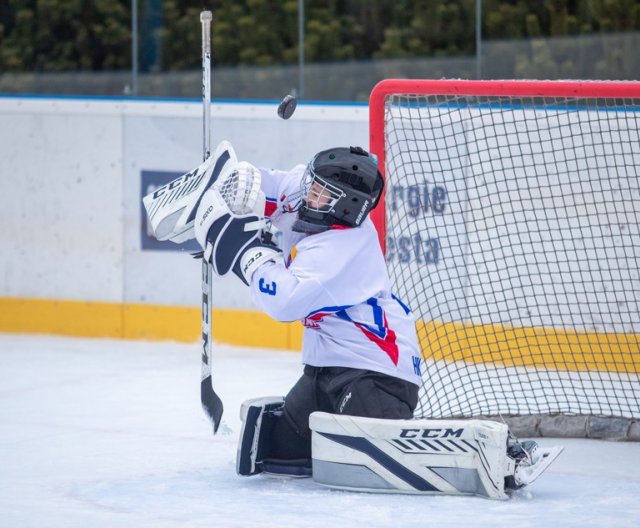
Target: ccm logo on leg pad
pixel 430 433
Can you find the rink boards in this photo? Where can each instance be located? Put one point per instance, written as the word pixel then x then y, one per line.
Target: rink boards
pixel 77 256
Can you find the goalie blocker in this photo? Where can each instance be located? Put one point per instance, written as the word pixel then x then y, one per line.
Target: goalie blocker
pixel 474 457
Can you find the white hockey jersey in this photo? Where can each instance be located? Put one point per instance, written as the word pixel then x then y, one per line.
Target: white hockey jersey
pixel 336 283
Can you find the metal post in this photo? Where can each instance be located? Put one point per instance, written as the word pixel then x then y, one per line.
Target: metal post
pixel 478 39
pixel 134 47
pixel 300 49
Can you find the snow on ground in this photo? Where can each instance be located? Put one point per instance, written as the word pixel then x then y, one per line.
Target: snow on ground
pixel 108 433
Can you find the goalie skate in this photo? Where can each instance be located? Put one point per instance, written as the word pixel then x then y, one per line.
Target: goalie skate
pixel 531 461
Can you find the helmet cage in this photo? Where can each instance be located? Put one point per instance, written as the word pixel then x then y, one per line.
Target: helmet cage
pixel 316 190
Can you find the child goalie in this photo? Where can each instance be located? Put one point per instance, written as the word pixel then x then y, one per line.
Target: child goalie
pixel 360 351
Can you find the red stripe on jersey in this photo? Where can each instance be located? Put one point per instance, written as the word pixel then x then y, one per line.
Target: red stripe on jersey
pixel 388 344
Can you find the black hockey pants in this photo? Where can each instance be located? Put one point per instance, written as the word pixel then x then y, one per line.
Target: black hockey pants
pixel 338 390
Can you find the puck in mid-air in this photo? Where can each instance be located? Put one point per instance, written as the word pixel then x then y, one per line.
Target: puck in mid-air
pixel 287 106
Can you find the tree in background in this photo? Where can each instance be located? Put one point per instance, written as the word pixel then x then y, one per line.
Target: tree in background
pixel 68 35
pixel 54 35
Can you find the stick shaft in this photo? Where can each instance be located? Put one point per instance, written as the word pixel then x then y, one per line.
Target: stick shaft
pixel 210 401
pixel 205 20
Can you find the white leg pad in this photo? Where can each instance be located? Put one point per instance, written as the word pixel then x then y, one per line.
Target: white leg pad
pixel 465 457
pixel 252 436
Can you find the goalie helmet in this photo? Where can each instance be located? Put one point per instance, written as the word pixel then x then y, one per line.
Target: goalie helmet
pixel 340 186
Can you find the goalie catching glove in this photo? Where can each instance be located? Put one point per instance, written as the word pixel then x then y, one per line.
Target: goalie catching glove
pixel 229 224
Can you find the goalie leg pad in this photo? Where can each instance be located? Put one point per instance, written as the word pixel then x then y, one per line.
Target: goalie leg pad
pixel 258 419
pixel 410 456
pixel 262 421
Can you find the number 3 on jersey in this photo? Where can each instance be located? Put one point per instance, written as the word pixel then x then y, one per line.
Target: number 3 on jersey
pixel 269 289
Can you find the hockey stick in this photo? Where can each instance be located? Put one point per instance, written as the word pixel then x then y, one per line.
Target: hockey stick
pixel 211 402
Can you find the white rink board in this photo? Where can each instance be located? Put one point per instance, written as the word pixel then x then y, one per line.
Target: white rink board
pixel 61 202
pixel 547 157
pixel 71 213
pixel 70 184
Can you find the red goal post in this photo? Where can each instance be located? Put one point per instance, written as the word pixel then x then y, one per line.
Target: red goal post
pixel 513 210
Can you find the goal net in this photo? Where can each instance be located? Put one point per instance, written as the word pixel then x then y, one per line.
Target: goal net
pixel 511 225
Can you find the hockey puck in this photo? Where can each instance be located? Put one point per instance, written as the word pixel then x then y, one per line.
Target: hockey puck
pixel 287 106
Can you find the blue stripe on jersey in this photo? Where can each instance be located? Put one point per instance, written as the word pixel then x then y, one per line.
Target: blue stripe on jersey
pixel 404 306
pixel 379 330
pixel 377 311
pixel 330 310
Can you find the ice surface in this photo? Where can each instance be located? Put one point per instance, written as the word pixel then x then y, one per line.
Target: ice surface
pixel 106 433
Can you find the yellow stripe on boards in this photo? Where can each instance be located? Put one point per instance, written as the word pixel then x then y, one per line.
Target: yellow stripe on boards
pixel 255 329
pixel 142 321
pixel 76 318
pixel 548 348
